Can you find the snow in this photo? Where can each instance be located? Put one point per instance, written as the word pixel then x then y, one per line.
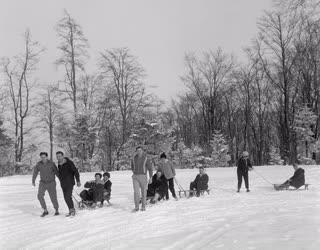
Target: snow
pixel 261 219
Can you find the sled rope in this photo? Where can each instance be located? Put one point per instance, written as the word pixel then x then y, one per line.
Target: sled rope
pixel 257 173
pixel 179 186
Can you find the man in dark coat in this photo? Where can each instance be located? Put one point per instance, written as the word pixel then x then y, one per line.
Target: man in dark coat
pixel 94 194
pixel 48 170
pixel 243 167
pixel 67 172
pixel 200 182
pixel 158 188
pixel 297 180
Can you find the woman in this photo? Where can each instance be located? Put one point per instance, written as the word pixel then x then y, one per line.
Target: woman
pixel 158 188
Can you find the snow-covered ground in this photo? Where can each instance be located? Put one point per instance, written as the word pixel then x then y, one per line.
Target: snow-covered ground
pixel 261 219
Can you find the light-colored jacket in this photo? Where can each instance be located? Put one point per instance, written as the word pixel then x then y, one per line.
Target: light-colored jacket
pixel 167 169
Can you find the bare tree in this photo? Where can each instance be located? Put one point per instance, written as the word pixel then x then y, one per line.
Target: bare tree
pixel 73 47
pixel 123 72
pixel 18 73
pixel 49 108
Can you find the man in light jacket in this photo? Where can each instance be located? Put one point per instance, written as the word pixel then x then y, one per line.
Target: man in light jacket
pixel 48 170
pixel 169 172
pixel 140 165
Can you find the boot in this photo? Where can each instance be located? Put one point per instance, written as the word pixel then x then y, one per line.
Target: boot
pixel 71 213
pixel 45 213
pixel 56 213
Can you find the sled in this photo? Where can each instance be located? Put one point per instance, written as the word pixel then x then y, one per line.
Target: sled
pixel 187 193
pixel 278 188
pixel 82 204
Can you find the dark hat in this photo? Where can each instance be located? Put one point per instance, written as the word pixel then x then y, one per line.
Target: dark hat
pixel 106 174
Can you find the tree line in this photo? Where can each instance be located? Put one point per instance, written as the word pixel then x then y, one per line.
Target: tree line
pixel 268 105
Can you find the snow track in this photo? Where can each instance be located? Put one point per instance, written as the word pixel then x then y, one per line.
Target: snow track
pixel 261 219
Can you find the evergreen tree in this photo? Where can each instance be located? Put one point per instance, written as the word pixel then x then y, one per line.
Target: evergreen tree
pixel 275 158
pixel 6 164
pixel 219 146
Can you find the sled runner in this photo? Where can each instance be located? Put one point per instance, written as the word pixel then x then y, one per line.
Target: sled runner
pixel 188 193
pixel 278 187
pixel 82 204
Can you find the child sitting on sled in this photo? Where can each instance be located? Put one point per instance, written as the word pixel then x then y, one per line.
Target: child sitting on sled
pixel 297 180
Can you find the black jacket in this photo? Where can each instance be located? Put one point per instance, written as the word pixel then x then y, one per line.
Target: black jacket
pixel 244 165
pixel 297 180
pixel 107 186
pixel 201 182
pixel 158 185
pixel 67 173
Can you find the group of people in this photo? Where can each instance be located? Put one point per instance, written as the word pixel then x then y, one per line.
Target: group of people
pixel 146 185
pixel 244 166
pixel 66 172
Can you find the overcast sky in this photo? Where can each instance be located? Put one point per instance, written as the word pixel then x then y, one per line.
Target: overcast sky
pixel 159 32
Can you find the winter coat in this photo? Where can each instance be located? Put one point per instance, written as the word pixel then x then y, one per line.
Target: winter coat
pixel 244 165
pixel 68 172
pixel 140 165
pixel 297 180
pixel 167 169
pixel 107 190
pixel 201 181
pixel 96 188
pixel 158 185
pixel 47 170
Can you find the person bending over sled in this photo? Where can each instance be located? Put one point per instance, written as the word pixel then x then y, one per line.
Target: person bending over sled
pixel 107 187
pixel 200 183
pixel 158 188
pixel 95 193
pixel 297 180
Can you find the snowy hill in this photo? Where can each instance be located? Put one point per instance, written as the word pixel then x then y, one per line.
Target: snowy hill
pixel 261 219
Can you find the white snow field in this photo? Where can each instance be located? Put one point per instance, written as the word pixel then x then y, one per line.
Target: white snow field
pixel 261 219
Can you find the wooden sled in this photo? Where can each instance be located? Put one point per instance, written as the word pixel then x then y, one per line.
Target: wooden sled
pixel 277 187
pixel 186 193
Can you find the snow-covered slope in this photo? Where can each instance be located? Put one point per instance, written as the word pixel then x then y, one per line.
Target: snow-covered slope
pixel 261 219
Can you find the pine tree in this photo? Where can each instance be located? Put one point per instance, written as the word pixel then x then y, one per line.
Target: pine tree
pixel 152 137
pixel 6 164
pixel 219 146
pixel 275 158
pixel 304 120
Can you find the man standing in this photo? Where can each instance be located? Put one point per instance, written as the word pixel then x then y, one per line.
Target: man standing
pixel 169 172
pixel 140 164
pixel 243 167
pixel 48 170
pixel 67 172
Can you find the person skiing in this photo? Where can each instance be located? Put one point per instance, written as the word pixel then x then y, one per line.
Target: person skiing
pixel 158 188
pixel 48 171
pixel 297 180
pixel 106 187
pixel 95 192
pixel 67 172
pixel 140 164
pixel 200 182
pixel 169 172
pixel 243 167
